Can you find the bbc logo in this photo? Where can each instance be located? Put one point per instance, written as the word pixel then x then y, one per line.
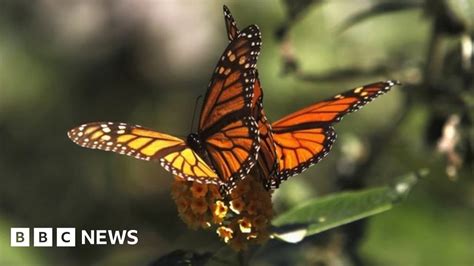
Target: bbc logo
pixel 66 237
pixel 42 237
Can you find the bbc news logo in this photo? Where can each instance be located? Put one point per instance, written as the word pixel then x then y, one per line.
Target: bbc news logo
pixel 66 237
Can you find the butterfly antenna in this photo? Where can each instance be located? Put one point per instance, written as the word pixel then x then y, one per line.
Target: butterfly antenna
pixel 194 113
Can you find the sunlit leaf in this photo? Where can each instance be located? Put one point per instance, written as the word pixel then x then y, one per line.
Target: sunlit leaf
pixel 324 213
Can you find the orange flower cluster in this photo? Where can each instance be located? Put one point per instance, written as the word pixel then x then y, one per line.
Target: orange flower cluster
pixel 241 217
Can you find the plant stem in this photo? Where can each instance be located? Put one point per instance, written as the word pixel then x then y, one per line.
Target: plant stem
pixel 243 258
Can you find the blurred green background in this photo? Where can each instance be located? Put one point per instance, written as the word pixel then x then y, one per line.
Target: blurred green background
pixel 63 63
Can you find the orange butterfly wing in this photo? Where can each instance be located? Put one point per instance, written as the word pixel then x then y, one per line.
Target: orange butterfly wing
pixel 333 109
pixel 233 150
pixel 298 149
pixel 230 91
pixel 231 27
pixel 305 137
pixel 145 144
pixel 226 127
pixel 266 163
pixel 267 157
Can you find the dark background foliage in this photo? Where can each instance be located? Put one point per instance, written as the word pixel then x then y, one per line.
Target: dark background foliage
pixel 63 63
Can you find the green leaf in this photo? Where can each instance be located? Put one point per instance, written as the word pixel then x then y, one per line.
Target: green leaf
pixel 324 213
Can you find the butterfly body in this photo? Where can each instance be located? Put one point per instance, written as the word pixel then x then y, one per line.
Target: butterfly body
pixel 195 143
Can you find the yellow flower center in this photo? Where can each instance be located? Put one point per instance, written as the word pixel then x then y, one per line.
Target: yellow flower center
pixel 202 205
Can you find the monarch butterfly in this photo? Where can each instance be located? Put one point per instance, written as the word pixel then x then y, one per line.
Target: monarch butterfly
pixel 302 138
pixel 225 147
